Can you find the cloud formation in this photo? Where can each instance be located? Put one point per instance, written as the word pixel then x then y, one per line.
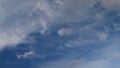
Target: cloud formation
pixel 20 19
pixel 26 55
pixel 112 4
pixel 107 57
pixel 71 23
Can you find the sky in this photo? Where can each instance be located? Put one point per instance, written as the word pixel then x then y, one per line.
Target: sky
pixel 59 33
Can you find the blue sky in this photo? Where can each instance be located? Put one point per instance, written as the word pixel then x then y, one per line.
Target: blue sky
pixel 59 33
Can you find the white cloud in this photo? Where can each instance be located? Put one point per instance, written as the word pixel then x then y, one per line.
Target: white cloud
pixel 68 10
pixel 44 26
pixel 13 28
pixel 102 36
pixel 79 42
pixel 44 6
pixel 26 55
pixel 10 37
pixel 65 31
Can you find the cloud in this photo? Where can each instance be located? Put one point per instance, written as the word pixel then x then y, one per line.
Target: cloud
pixel 11 37
pixel 78 4
pixel 106 57
pixel 80 63
pixel 78 19
pixel 44 26
pixel 102 36
pixel 23 18
pixel 79 42
pixel 26 55
pixel 65 31
pixel 19 20
pixel 39 15
pixel 75 11
pixel 112 4
pixel 64 64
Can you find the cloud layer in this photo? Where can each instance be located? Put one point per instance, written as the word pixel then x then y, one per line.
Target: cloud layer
pixel 66 25
pixel 18 19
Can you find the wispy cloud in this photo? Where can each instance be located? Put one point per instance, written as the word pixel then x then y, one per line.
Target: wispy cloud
pixel 26 55
pixel 80 20
pixel 102 58
pixel 18 20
